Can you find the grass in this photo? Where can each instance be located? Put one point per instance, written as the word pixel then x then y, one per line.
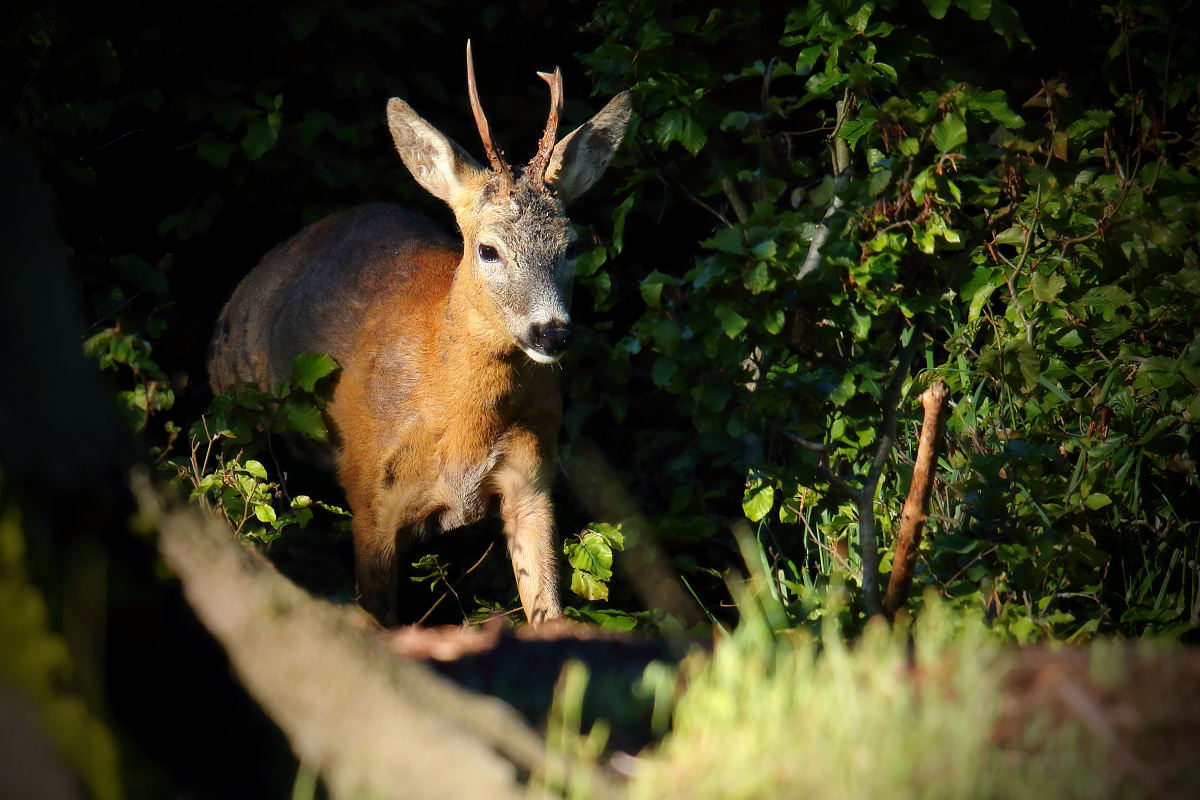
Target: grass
pixel 786 714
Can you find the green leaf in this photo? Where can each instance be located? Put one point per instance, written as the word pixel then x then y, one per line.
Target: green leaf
pixel 611 533
pixel 954 543
pixel 951 132
pixel 937 8
pixel 994 105
pixel 591 553
pixel 1070 339
pixel 651 292
pixel 1105 297
pixel 1027 359
pixel 735 120
pixel 758 279
pixel 879 181
pixel 1045 289
pixel 978 9
pixel 979 298
pixel 305 418
pixel 852 131
pixel 765 249
pixel 620 622
pixel 678 125
pixel 808 58
pixel 1060 145
pixel 618 217
pixel 759 501
pixel 1004 21
pixel 1014 235
pixel 308 368
pixel 728 240
pixel 256 469
pixel 667 335
pixel 1097 501
pixel 587 586
pixel 589 261
pixel 732 322
pixel 663 371
pixel 862 324
pixel 104 56
pixel 216 153
pixel 265 512
pixel 262 134
pixel 140 274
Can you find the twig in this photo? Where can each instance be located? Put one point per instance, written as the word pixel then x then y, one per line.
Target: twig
pixel 916 506
pixel 813 130
pixel 450 588
pixel 670 181
pixel 460 578
pixel 836 480
pixel 963 569
pixel 278 469
pixel 805 443
pixel 1020 265
pixel 730 189
pixel 841 169
pixel 837 556
pixel 109 144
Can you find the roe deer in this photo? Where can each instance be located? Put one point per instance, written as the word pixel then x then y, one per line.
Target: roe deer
pixel 449 393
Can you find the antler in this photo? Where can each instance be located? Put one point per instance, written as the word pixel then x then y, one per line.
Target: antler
pixel 537 166
pixel 494 153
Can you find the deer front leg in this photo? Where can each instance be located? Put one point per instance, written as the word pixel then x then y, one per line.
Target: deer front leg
pixel 524 486
pixel 375 570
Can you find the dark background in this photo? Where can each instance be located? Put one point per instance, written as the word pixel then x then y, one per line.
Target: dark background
pixel 118 103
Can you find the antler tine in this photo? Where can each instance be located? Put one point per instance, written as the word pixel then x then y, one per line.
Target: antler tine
pixel 537 166
pixel 494 153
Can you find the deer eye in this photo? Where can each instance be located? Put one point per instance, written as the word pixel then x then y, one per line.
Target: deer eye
pixel 572 251
pixel 488 253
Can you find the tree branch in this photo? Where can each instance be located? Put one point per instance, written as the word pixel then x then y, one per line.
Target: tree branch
pixel 916 506
pixel 371 723
pixel 841 171
pixel 730 189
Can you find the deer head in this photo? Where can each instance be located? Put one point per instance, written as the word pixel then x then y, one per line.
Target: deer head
pixel 516 235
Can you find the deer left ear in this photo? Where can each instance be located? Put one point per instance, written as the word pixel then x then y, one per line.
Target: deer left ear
pixel 436 161
pixel 580 159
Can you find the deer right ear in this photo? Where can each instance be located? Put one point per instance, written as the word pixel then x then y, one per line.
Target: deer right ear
pixel 436 161
pixel 580 159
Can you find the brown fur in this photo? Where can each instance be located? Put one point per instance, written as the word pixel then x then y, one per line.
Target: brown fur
pixel 441 406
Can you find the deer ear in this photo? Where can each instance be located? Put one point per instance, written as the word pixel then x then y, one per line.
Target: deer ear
pixel 580 159
pixel 436 161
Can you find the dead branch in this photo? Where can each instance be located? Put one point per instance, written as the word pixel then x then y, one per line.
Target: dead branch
pixel 935 400
pixel 368 722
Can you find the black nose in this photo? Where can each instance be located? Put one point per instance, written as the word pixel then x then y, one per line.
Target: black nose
pixel 550 338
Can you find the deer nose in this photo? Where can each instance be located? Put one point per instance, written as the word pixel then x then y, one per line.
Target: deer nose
pixel 550 338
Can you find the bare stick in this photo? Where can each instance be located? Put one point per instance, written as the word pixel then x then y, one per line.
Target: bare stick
pixel 841 171
pixel 421 621
pixel 916 506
